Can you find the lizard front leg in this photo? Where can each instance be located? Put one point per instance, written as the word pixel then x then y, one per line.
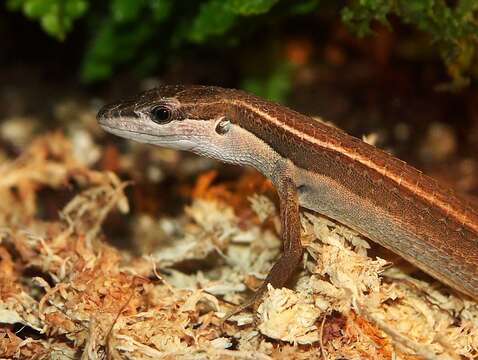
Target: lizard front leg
pixel 292 252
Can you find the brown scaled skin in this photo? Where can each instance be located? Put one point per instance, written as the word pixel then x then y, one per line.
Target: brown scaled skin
pixel 317 167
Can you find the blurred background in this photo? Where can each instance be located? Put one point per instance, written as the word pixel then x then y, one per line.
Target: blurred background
pixel 403 72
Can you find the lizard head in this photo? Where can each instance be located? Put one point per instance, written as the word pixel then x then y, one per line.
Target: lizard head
pixel 179 117
pixel 199 119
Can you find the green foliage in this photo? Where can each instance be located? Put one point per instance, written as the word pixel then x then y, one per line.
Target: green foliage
pixel 121 36
pixel 303 7
pixel 453 29
pixel 112 46
pixel 274 85
pixel 251 7
pixel 56 16
pixel 214 18
pixel 145 32
pixel 124 35
pixel 150 32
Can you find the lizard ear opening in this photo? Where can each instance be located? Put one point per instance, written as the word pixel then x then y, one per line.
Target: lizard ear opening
pixel 223 126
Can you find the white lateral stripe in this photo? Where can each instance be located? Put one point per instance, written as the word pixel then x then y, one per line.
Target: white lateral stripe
pixel 460 217
pixel 365 161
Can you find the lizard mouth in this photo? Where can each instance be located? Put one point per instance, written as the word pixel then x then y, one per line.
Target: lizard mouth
pixel 120 131
pixel 171 141
pixel 128 133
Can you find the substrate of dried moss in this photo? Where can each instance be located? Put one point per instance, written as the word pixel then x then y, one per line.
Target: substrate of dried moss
pixel 66 293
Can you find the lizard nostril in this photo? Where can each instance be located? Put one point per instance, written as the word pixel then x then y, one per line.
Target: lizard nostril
pixel 118 110
pixel 103 113
pixel 302 189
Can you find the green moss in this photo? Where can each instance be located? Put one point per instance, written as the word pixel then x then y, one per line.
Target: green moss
pixel 55 16
pixel 123 31
pixel 453 30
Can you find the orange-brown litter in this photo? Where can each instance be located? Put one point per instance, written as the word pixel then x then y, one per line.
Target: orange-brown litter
pixel 66 292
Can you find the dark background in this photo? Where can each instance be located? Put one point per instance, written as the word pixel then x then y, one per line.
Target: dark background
pixel 393 82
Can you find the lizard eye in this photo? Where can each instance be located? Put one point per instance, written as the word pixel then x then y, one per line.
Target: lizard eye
pixel 161 114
